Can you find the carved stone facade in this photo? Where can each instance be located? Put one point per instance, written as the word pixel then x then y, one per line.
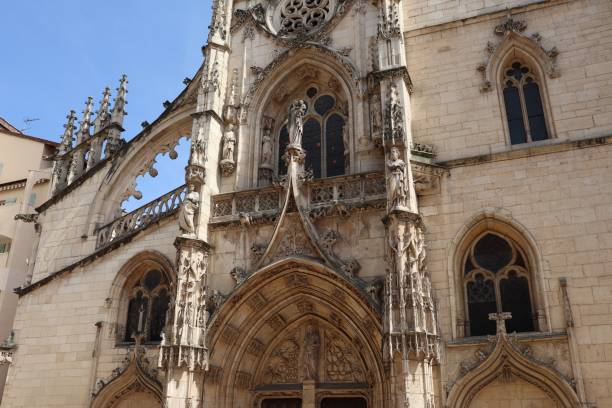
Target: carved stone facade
pixel 352 212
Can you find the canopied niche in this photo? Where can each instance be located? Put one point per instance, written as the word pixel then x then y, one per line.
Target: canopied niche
pixel 293 325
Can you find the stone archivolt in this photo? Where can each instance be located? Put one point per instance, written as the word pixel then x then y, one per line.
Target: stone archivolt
pixel 318 336
pixel 505 358
pixel 136 375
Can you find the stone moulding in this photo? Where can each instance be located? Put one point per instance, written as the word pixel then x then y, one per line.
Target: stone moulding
pixel 264 73
pixel 256 17
pixel 137 374
pixel 503 357
pixel 512 35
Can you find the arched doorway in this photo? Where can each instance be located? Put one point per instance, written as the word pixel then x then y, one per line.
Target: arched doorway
pixel 296 334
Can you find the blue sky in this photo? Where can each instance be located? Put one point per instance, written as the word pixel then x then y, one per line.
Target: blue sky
pixel 56 53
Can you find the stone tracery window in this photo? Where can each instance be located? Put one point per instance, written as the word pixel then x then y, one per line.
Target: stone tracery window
pixel 303 16
pixel 497 279
pixel 523 104
pixel 325 138
pixel 147 306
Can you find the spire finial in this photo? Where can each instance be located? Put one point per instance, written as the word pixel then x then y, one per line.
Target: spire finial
pixel 120 101
pixel 102 114
pixel 68 136
pixel 83 133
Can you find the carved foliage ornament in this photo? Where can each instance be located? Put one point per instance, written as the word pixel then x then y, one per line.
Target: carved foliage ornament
pixel 313 353
pixel 506 30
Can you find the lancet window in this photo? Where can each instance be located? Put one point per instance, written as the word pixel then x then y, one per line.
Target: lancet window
pixel 524 104
pixel 147 306
pixel 497 279
pixel 325 136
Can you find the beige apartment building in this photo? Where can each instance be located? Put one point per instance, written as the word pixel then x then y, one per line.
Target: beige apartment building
pixel 387 204
pixel 25 178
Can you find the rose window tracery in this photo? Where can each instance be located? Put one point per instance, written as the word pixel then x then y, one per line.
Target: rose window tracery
pixel 303 16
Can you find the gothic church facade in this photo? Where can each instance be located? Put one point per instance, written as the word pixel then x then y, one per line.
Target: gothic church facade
pixel 388 203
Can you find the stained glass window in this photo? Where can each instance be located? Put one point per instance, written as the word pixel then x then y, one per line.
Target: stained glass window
pixel 496 279
pixel 323 138
pixel 523 105
pixel 147 306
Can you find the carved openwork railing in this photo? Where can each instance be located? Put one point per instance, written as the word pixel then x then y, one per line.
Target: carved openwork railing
pixel 324 197
pixel 141 217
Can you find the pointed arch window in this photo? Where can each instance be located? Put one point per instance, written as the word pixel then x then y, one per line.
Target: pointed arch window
pixel 522 94
pixel 148 301
pixel 325 136
pixel 497 279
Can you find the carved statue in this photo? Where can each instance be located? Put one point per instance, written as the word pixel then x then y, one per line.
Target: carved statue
pixel 312 347
pixel 345 139
pixel 376 116
pixel 266 148
pixel 197 152
pixel 188 210
pixel 229 143
pixel 398 189
pixel 296 122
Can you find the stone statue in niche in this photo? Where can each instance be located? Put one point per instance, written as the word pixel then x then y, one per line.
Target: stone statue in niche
pixel 398 185
pixel 266 148
pixel 297 110
pixel 188 210
pixel 376 117
pixel 345 140
pixel 229 143
pixel 197 152
pixel 227 151
pixel 312 348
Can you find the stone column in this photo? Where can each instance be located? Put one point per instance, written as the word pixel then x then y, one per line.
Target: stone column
pixel 308 394
pixel 410 339
pixel 184 352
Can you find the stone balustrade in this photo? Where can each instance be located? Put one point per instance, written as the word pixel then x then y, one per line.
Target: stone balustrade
pixel 141 217
pixel 323 197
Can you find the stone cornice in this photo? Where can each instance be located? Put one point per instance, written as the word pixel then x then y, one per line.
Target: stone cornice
pixel 528 150
pixel 90 258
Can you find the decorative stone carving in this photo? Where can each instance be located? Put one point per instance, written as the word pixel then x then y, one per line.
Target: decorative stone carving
pixel 394 132
pixel 397 182
pixel 376 121
pixel 296 123
pixel 239 275
pixel 314 352
pixel 217 27
pixel 298 17
pixel 283 366
pixel 389 24
pixel 312 348
pixel 276 322
pixel 267 150
pixel 227 163
pixel 189 208
pixel 255 347
pixel 184 342
pixel 135 374
pixel 509 29
pixel 350 267
pixel 197 151
pixel 509 24
pixel 214 300
pixel 341 363
pixel 375 289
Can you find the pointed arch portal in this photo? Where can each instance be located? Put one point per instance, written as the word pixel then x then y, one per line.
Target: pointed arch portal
pixel 295 330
